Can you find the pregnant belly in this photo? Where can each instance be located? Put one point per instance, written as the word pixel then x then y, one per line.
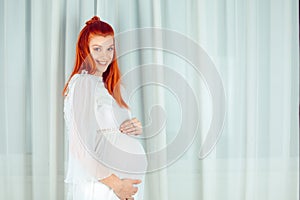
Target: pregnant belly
pixel 123 154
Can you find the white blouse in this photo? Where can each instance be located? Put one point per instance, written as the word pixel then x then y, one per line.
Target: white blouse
pixel 97 148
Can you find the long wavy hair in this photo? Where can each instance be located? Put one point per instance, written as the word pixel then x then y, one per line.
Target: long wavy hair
pixel 84 60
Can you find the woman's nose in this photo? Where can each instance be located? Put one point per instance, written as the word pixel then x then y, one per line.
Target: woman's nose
pixel 102 54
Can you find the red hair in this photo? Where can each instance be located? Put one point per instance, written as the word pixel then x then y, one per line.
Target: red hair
pixel 84 61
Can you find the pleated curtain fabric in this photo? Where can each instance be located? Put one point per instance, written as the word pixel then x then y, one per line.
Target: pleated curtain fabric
pixel 254 47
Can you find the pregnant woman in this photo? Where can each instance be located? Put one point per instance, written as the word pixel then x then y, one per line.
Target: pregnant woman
pixel 105 161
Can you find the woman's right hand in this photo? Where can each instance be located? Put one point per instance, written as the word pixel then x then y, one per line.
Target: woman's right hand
pixel 123 188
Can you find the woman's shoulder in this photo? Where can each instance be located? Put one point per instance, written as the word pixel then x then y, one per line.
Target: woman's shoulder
pixel 84 81
pixel 85 78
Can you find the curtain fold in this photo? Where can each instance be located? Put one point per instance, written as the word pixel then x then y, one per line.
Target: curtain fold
pixel 254 46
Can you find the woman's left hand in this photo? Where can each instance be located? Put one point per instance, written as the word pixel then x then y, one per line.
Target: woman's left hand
pixel 131 127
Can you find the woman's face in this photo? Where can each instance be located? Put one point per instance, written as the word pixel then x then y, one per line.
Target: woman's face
pixel 102 51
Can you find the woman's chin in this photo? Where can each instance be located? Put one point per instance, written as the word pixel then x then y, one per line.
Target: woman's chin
pixel 101 68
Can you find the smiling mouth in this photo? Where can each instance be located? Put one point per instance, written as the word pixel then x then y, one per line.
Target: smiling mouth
pixel 101 62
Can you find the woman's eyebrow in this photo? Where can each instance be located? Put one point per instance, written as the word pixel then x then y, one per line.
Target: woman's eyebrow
pixel 101 45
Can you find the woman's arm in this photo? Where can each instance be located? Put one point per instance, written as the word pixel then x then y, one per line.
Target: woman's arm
pixel 83 127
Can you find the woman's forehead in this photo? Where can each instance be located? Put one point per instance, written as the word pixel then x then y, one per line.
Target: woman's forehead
pixel 102 40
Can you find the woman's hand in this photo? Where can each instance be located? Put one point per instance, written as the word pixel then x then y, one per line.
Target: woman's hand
pixel 123 188
pixel 131 127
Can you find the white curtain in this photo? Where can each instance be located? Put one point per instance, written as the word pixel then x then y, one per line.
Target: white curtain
pixel 253 45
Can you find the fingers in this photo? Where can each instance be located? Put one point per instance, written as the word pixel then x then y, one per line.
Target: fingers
pixel 131 127
pixel 135 189
pixel 133 181
pixel 131 189
pixel 128 189
pixel 133 131
pixel 136 181
pixel 129 122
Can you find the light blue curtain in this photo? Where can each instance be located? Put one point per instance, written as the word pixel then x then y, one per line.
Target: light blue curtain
pixel 252 45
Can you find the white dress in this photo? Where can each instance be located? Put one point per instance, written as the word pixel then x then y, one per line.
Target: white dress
pixel 97 148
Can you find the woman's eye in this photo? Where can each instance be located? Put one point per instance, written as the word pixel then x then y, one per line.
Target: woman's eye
pixel 97 49
pixel 110 48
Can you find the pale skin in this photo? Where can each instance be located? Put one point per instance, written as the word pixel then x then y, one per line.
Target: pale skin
pixel 102 52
